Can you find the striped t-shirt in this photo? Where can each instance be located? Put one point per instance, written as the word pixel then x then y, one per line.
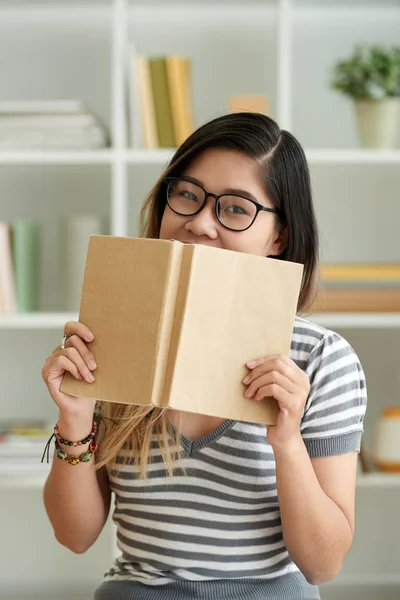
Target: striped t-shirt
pixel 220 519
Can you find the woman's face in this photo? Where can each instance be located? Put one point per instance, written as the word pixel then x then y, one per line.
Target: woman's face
pixel 219 171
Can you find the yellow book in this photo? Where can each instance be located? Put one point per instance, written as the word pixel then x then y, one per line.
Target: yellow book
pixel 360 272
pixel 162 104
pixel 178 75
pixel 146 103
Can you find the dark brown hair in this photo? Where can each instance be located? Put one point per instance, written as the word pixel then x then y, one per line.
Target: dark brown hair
pixel 284 171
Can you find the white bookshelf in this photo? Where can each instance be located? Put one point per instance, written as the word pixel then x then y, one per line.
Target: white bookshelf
pixel 77 49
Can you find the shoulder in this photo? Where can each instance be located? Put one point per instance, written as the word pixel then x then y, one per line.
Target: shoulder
pixel 315 346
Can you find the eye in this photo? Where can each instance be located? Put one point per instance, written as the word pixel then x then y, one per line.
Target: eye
pixel 235 209
pixel 188 195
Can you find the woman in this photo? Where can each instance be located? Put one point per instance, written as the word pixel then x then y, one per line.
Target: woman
pixel 211 508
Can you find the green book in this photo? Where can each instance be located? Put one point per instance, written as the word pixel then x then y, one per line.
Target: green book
pixel 162 103
pixel 25 243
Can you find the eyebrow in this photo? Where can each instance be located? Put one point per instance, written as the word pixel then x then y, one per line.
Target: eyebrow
pixel 227 190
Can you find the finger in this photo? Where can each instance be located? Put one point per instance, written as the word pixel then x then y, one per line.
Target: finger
pixel 76 342
pixel 76 358
pixel 273 390
pixel 274 363
pixel 61 363
pixel 268 378
pixel 79 329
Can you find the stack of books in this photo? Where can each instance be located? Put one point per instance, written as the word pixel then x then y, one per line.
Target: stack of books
pixel 22 444
pixel 160 106
pixel 359 287
pixel 50 125
pixel 19 266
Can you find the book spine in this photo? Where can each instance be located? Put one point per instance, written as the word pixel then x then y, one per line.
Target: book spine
pixel 25 243
pixel 167 322
pixel 360 273
pixel 150 139
pixel 76 232
pixel 186 270
pixel 7 284
pixel 178 73
pixel 162 103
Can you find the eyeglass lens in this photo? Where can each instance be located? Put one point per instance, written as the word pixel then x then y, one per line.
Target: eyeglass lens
pixel 234 212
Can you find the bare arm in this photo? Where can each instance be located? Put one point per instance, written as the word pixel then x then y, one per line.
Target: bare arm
pixel 316 499
pixel 76 498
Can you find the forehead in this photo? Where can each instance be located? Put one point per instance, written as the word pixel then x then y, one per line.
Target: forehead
pixel 221 167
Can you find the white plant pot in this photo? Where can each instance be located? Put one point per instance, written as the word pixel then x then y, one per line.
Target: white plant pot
pixel 378 122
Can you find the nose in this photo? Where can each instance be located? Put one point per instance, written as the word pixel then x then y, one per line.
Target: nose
pixel 205 222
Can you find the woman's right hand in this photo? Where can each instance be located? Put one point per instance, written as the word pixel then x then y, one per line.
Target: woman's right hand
pixel 78 360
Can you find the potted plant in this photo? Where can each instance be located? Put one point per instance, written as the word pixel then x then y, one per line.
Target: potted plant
pixel 371 77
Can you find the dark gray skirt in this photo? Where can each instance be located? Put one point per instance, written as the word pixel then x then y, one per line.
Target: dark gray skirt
pixel 288 587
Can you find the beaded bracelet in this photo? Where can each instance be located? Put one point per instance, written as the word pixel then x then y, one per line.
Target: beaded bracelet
pixel 73 459
pixel 85 440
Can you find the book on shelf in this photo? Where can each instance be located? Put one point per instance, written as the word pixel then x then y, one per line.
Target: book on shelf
pixel 358 287
pixel 160 106
pixel 175 324
pixel 360 274
pixel 7 280
pixel 22 443
pixel 19 265
pixel 52 125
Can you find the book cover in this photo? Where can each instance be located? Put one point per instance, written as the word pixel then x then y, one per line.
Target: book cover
pixel 162 103
pixel 175 324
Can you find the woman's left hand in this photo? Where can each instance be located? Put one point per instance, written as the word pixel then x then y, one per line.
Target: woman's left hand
pixel 279 376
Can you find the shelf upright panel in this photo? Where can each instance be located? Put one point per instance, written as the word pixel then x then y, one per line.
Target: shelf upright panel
pixel 119 187
pixel 284 66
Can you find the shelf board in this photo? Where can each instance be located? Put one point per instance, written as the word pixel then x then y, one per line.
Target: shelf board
pixel 161 156
pixel 356 320
pixel 59 157
pixel 56 320
pixel 31 482
pixel 51 320
pixel 378 480
pixel 356 156
pixel 144 156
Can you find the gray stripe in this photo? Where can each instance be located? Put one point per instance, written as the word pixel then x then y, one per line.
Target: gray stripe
pixel 338 374
pixel 195 489
pixel 190 538
pixel 350 422
pixel 308 333
pixel 216 573
pixel 302 346
pixel 202 474
pixel 197 556
pixel 334 446
pixel 337 392
pixel 214 509
pixel 333 410
pixel 218 525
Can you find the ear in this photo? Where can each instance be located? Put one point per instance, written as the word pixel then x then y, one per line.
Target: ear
pixel 280 242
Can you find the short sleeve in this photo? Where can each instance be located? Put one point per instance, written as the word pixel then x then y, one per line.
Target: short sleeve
pixel 333 418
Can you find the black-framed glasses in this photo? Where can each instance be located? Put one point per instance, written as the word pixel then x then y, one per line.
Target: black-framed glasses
pixel 233 211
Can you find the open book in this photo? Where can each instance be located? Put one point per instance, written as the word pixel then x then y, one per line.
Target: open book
pixel 175 324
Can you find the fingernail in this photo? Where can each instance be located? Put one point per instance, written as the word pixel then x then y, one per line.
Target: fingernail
pixel 252 364
pixel 246 379
pixel 92 364
pixel 89 337
pixel 90 377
